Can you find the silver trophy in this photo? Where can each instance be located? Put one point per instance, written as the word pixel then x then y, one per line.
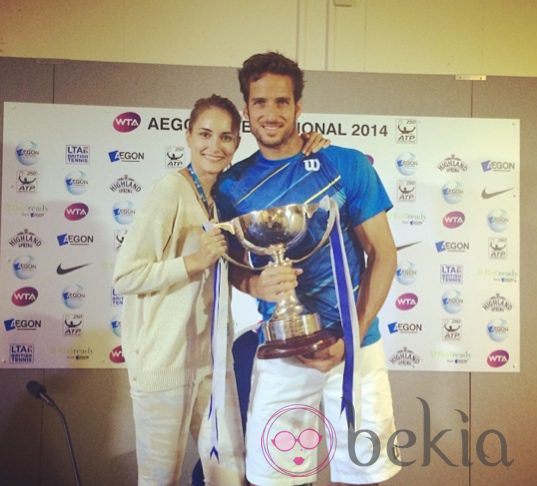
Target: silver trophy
pixel 272 232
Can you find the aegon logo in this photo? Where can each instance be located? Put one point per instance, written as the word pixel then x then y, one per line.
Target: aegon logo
pixel 406 273
pixel 405 327
pixel 115 323
pixel 452 192
pixel 122 156
pixel 76 182
pixel 116 355
pixel 127 122
pixel 24 296
pixel 498 358
pixel 406 301
pixel 22 324
pixel 452 246
pixel 73 296
pixel 452 301
pixel 498 220
pixel 497 166
pixel 164 123
pixel 74 240
pixel 24 267
pixel 453 219
pixel 124 212
pixel 406 163
pixel 76 211
pixel 27 153
pixel 498 329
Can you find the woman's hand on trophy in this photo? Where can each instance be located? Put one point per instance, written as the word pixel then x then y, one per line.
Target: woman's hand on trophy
pixel 274 283
pixel 212 246
pixel 325 359
pixel 313 142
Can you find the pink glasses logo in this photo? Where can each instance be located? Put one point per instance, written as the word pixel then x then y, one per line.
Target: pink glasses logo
pixel 291 448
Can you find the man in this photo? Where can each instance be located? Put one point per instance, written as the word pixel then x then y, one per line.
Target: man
pixel 276 175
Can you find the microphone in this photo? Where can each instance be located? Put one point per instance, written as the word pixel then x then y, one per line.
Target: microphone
pixel 37 390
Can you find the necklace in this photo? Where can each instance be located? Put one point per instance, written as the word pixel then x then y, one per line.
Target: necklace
pixel 199 188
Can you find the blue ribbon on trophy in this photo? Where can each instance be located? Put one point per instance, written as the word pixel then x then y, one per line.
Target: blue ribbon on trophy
pixel 348 317
pixel 219 345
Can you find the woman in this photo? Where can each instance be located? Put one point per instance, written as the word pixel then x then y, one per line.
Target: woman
pixel 165 270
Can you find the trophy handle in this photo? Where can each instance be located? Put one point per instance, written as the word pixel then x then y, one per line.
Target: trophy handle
pixel 230 228
pixel 332 212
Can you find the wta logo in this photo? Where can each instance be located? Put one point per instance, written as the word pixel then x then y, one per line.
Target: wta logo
pixel 116 355
pixel 24 296
pixel 498 358
pixel 453 219
pixel 76 211
pixel 127 122
pixel 406 301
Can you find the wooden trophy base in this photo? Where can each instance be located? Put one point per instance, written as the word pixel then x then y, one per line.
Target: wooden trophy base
pixel 302 345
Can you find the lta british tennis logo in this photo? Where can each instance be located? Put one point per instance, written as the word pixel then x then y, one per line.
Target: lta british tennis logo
pixel 298 450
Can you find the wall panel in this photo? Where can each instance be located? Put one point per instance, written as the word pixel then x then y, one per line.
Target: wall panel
pixel 96 402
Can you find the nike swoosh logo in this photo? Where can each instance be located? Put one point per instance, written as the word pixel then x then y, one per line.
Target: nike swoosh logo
pixel 488 195
pixel 63 271
pixel 402 247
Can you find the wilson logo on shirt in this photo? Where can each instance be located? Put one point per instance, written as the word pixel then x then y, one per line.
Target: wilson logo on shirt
pixel 312 165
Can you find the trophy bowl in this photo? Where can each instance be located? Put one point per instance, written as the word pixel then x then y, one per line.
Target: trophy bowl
pixel 290 331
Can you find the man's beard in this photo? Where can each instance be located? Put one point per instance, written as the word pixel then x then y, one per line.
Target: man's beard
pixel 266 140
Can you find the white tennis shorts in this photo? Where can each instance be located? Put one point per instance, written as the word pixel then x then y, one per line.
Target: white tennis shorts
pixel 289 439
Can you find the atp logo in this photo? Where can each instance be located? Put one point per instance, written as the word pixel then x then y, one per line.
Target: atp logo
pixel 291 441
pixel 312 165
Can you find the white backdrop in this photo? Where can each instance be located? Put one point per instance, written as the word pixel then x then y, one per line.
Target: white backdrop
pixel 74 176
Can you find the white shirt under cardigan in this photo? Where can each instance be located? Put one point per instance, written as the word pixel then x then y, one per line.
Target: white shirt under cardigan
pixel 165 324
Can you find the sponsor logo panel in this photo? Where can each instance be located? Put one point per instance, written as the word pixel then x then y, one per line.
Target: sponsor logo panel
pixel 26 181
pixel 72 325
pixel 127 122
pixel 405 358
pixel 498 358
pixel 27 153
pixel 406 130
pixel 77 154
pixel 21 353
pixel 451 329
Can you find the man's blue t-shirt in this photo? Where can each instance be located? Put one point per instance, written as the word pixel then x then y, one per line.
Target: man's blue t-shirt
pixel 347 176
